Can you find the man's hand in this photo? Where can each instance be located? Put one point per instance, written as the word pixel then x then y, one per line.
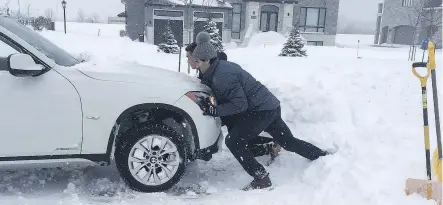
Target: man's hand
pixel 209 108
pixel 211 111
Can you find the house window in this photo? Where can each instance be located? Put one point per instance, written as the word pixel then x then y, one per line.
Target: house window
pixel 312 19
pixel 236 21
pixel 315 43
pixel 380 8
pixel 406 3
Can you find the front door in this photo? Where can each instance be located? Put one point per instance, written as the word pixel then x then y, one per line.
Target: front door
pixel 38 115
pixel 403 35
pixel 268 21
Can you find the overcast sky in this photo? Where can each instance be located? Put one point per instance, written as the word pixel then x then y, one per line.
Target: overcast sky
pixel 359 11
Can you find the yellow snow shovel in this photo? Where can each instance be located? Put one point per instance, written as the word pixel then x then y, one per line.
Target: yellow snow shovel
pixel 437 156
pixel 428 188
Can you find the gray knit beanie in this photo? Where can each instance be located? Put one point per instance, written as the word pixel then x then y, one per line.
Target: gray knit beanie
pixel 204 50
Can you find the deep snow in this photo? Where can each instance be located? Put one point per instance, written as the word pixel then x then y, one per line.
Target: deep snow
pixel 370 107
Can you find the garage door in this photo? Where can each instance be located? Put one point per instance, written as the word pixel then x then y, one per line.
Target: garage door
pixel 160 27
pixel 403 35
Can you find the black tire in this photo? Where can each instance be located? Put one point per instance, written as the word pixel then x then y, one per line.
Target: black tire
pixel 127 140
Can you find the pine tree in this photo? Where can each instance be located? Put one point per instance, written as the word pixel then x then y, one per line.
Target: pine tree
pixel 211 28
pixel 170 45
pixel 294 47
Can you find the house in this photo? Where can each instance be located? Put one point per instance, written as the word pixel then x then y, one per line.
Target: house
pixel 398 23
pixel 236 19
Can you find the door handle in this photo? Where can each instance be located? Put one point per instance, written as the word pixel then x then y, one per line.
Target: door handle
pixel 92 117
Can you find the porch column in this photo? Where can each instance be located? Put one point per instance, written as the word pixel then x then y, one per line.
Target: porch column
pixel 252 15
pixel 288 13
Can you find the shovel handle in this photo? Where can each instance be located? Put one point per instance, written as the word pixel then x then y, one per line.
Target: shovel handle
pixel 423 79
pixel 431 56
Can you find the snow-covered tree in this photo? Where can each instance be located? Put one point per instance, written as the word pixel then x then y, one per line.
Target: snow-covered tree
pixel 294 46
pixel 216 40
pixel 170 44
pixel 40 23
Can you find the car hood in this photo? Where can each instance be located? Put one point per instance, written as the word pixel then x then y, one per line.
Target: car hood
pixel 136 73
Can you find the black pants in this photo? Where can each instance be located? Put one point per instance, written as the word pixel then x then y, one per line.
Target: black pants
pixel 246 126
pixel 257 145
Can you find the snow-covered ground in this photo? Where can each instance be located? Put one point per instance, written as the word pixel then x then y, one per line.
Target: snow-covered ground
pixel 370 107
pixel 350 40
pixel 91 29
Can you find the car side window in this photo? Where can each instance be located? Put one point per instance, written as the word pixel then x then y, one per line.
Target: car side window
pixel 6 49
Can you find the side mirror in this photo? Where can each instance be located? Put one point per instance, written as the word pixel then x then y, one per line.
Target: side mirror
pixel 22 65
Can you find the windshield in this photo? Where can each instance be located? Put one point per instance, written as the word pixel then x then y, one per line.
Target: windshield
pixel 60 56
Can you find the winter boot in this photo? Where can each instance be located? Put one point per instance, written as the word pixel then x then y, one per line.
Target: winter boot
pixel 262 183
pixel 330 151
pixel 333 150
pixel 274 150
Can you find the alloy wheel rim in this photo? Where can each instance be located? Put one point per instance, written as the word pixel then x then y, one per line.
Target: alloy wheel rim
pixel 153 160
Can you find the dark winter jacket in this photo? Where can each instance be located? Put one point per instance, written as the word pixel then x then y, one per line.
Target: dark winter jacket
pixel 236 90
pixel 221 55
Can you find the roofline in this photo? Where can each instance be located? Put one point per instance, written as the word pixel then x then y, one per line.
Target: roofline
pixel 122 14
pixel 275 1
pixel 192 6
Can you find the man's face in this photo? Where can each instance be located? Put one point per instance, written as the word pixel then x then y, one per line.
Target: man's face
pixel 202 64
pixel 193 63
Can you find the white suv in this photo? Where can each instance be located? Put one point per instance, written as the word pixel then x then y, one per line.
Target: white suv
pixel 54 112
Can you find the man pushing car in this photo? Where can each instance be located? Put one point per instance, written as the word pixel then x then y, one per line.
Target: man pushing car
pixel 248 107
pixel 259 145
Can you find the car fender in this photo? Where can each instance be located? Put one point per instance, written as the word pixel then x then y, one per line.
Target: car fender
pixel 102 109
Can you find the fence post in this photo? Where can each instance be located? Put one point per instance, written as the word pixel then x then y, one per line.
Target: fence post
pixel 179 59
pixel 415 52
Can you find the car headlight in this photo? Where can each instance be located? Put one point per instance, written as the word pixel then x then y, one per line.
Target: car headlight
pixel 200 98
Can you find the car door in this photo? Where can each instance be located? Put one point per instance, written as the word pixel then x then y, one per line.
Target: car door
pixel 39 116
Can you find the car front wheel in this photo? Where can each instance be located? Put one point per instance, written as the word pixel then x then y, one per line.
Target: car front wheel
pixel 150 157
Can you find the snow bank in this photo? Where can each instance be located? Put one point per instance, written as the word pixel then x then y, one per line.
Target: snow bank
pixel 351 41
pixel 106 49
pixel 369 107
pixel 92 29
pixel 266 39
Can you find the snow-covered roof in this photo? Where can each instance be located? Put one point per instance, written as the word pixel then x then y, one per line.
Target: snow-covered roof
pixel 203 3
